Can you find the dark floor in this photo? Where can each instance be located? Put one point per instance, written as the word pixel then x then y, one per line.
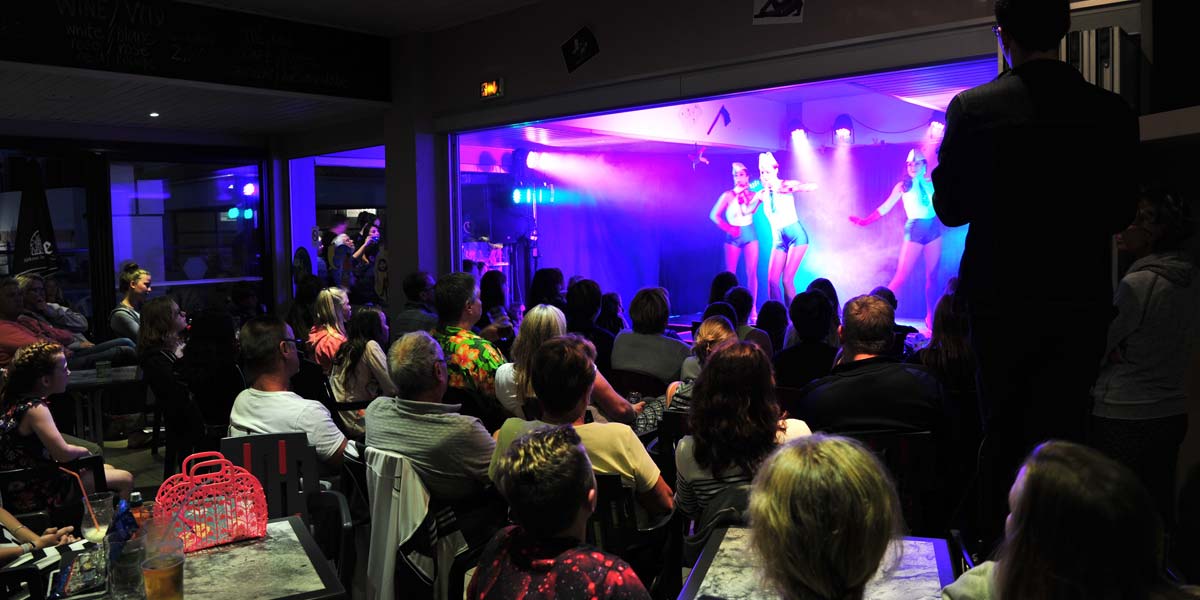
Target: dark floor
pixel 147 469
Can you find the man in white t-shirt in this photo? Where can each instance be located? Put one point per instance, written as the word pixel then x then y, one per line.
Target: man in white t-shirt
pixel 267 406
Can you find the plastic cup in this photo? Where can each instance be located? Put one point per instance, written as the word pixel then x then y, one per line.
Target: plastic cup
pixel 163 577
pixel 101 507
pixel 125 571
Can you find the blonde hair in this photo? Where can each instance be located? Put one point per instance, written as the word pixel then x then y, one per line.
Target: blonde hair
pixel 823 510
pixel 541 323
pixel 714 331
pixel 331 309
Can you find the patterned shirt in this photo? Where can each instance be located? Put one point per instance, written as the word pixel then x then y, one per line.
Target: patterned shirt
pixel 470 360
pixel 517 565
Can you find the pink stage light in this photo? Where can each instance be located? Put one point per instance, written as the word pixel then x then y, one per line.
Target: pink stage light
pixel 936 129
pixel 249 189
pixel 843 134
pixel 799 136
pixel 533 160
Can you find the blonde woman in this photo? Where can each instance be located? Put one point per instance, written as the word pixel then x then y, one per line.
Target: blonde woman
pixel 822 513
pixel 328 332
pixel 714 331
pixel 513 389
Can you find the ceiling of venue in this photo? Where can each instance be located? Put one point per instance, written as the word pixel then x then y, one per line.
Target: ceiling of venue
pixel 390 18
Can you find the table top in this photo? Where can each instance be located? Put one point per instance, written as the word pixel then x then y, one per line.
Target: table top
pixel 728 568
pixel 88 378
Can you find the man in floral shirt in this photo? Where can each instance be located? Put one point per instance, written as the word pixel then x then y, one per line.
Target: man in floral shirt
pixel 471 360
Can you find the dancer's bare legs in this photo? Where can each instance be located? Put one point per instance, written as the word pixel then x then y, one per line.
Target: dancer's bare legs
pixel 775 273
pixel 933 260
pixel 750 253
pixel 795 255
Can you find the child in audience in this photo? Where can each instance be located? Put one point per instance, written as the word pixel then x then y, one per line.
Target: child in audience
pixel 360 370
pixel 124 320
pixel 328 332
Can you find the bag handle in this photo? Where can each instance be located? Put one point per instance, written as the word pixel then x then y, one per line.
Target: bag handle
pixel 209 455
pixel 223 466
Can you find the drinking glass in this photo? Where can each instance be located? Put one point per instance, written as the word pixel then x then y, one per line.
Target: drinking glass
pixel 125 570
pixel 101 506
pixel 162 569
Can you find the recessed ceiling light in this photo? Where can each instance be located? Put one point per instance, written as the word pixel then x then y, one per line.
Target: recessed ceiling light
pixel 153 114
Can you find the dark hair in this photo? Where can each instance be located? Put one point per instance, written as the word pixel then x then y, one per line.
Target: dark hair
pixel 158 323
pixel 260 339
pixel 720 309
pixel 721 284
pixel 825 287
pixel 546 288
pixel 365 218
pixel 773 319
pixel 1036 25
pixel 491 290
pixel 1170 212
pixel 212 339
pixel 810 314
pixel 413 284
pixel 949 351
pixel 610 313
pixel 734 417
pixel 650 310
pixel 742 302
pixel 887 294
pixel 469 266
pixel 366 325
pixel 451 295
pixel 563 369
pixel 130 274
pixel 1083 526
pixel 583 300
pixel 302 313
pixel 545 476
pixel 27 365
pixel 869 325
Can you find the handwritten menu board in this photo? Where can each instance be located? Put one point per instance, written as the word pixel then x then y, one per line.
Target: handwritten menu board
pixel 184 41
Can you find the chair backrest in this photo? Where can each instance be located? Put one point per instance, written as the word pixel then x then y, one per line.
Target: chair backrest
pixel 285 465
pixel 15 482
pixel 911 456
pixel 671 429
pixel 627 382
pixel 487 410
pixel 613 526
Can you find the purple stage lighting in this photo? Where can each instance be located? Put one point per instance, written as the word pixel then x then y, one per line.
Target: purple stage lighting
pixel 249 189
pixel 533 160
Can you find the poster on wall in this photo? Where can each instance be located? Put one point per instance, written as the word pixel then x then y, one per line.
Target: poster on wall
pixel 777 12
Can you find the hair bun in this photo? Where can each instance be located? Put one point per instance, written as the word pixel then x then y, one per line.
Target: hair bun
pixel 131 267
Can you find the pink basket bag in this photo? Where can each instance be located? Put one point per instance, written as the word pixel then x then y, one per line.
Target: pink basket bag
pixel 214 507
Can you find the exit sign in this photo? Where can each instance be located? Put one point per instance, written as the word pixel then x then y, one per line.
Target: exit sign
pixel 492 89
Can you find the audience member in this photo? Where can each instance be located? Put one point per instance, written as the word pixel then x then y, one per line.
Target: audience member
pixel 270 352
pixel 493 295
pixel 713 332
pixel 735 423
pixel 691 365
pixel 37 305
pixel 449 451
pixel 244 304
pixel 721 284
pixel 823 511
pixel 471 359
pixel 160 345
pixel 547 479
pixel 612 314
pixel 28 541
pixel 300 312
pixel 809 357
pixel 900 334
pixel 825 287
pixel 583 309
pixel 328 332
pixel 360 371
pixel 209 366
pixel 1080 526
pixel 418 313
pixel 364 259
pixel 645 349
pixel 547 287
pixel 124 320
pixel 563 374
pixel 868 390
pixel 1073 145
pixel 773 319
pixel 28 436
pixel 950 358
pixel 18 329
pixel 743 303
pixel 1140 411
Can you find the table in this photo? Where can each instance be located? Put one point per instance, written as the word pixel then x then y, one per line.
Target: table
pixel 728 568
pixel 89 409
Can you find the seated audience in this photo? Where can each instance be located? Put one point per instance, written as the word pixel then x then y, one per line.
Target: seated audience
pixel 743 303
pixel 562 376
pixel 26 541
pixel 612 314
pixel 134 286
pixel 271 354
pixel 1080 526
pixel 300 312
pixel 583 308
pixel 645 349
pixel 493 295
pixel 418 313
pixel 28 436
pixel 735 423
pixel 547 287
pixel 823 511
pixel 360 371
pixel 950 357
pixel 713 331
pixel 209 366
pixel 721 284
pixel 773 319
pixel 547 479
pixel 691 365
pixel 869 390
pixel 809 357
pixel 900 333
pixel 450 451
pixel 328 332
pixel 825 287
pixel 38 306
pixel 18 329
pixel 1140 411
pixel 244 304
pixel 513 388
pixel 160 344
pixel 471 359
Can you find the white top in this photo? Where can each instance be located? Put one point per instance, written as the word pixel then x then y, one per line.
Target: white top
pixel 918 201
pixel 737 211
pixel 369 381
pixel 506 390
pixel 256 412
pixel 780 208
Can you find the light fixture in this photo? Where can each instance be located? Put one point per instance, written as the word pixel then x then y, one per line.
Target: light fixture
pixel 247 213
pixel 249 189
pixel 843 129
pixel 516 195
pixel 233 213
pixel 533 160
pixel 937 125
pixel 154 115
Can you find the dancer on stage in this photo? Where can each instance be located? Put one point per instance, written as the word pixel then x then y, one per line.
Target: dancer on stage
pixel 922 232
pixel 734 214
pixel 789 239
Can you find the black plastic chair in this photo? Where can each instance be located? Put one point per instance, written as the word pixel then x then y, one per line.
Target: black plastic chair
pixel 614 528
pixel 70 512
pixel 488 410
pixel 627 382
pixel 912 458
pixel 671 429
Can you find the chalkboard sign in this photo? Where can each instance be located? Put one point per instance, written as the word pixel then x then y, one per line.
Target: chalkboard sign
pixel 184 41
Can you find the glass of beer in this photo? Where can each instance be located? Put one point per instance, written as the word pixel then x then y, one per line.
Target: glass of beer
pixel 162 570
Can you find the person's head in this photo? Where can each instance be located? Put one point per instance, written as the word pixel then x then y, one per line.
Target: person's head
pixel 54 291
pixel 493 290
pixel 562 373
pixel 547 479
pixel 134 282
pixel 33 291
pixel 269 347
pixel 418 287
pixel 822 513
pixel 583 300
pixel 768 169
pixel 541 323
pixel 734 417
pixel 162 324
pixel 370 230
pixel 547 285
pixel 610 304
pixel 37 369
pixel 1030 26
pixel 868 323
pixel 456 298
pixel 332 310
pixel 366 218
pixel 721 284
pixel 915 164
pixel 887 294
pixel 810 314
pixel 468 266
pixel 650 310
pixel 1163 222
pixel 825 287
pixel 773 319
pixel 742 302
pixel 1080 526
pixel 741 175
pixel 713 332
pixel 368 324
pixel 720 309
pixel 418 366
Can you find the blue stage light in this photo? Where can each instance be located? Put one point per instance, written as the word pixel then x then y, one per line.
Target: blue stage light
pixel 233 213
pixel 247 213
pixel 516 196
